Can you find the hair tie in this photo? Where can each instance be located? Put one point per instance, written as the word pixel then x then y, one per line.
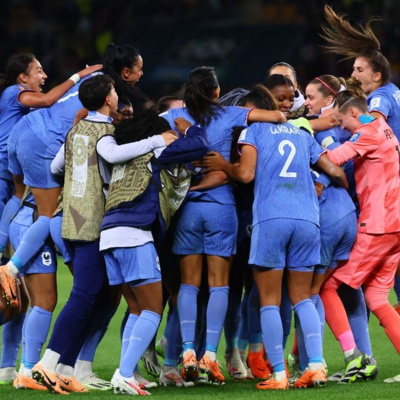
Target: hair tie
pixel 327 86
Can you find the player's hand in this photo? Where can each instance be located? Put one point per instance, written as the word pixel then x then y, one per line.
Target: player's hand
pixel 213 161
pixel 319 188
pixel 89 70
pixel 169 137
pixel 182 124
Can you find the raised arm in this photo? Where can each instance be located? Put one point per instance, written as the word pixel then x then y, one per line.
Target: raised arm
pixel 39 100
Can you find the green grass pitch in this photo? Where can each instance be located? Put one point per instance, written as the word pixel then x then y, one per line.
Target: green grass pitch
pixel 107 359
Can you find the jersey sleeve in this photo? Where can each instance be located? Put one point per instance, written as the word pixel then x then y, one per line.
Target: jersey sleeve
pixel 247 137
pixel 315 150
pixel 380 104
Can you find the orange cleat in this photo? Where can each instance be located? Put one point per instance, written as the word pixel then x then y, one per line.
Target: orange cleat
pixel 189 366
pixel 70 384
pixel 397 307
pixel 23 382
pixel 312 378
pixel 47 378
pixel 257 365
pixel 10 286
pixel 272 384
pixel 211 368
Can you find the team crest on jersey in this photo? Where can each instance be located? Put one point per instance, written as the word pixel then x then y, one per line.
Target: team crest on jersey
pixel 242 135
pixel 46 258
pixel 355 137
pixel 375 103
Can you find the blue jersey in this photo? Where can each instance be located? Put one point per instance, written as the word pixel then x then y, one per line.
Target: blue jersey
pixel 11 111
pixel 219 134
pixel 386 101
pixel 57 119
pixel 283 187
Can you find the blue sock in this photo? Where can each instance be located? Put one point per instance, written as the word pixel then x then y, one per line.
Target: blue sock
pixel 130 323
pixel 36 330
pixel 311 327
pixel 187 310
pixel 32 241
pixel 9 211
pixel 356 309
pixel 141 335
pixel 170 310
pixel 232 321
pixel 11 341
pixel 303 358
pixel 243 334
pixel 286 315
pixel 397 287
pixel 272 333
pixel 23 340
pixel 316 299
pixel 216 313
pixel 253 316
pixel 174 339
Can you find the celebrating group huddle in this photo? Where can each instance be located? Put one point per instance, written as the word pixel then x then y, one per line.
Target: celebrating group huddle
pixel 283 200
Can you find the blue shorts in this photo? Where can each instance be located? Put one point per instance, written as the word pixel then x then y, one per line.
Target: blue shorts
pixel 337 241
pixel 206 228
pixel 45 262
pixel 133 265
pixel 6 191
pixel 29 156
pixel 279 243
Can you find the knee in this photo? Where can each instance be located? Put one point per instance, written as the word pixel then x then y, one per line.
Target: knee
pixel 376 297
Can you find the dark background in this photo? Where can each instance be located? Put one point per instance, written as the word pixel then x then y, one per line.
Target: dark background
pixel 240 38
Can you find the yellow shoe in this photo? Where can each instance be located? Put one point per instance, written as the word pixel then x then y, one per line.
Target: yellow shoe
pixel 23 382
pixel 257 364
pixel 312 378
pixel 47 378
pixel 272 384
pixel 70 384
pixel 211 368
pixel 10 286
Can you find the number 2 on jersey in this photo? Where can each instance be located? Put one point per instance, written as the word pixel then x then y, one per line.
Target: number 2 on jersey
pixel 292 151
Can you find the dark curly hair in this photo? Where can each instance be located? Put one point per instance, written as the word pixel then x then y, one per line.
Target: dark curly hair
pixel 141 126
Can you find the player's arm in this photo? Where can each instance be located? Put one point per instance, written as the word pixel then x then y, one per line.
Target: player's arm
pixel 336 173
pixel 38 100
pixel 257 115
pixel 209 181
pixel 243 171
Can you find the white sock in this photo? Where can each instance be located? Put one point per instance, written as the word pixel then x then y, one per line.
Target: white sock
pixel 212 355
pixel 50 359
pixel 83 369
pixel 315 366
pixel 348 353
pixel 26 372
pixel 65 370
pixel 13 269
pixel 255 347
pixel 279 375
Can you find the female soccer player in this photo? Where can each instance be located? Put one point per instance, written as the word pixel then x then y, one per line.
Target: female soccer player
pixel 277 157
pixel 376 252
pixel 198 233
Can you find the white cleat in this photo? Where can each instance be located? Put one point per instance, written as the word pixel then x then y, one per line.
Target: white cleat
pixel 122 385
pixel 235 366
pixel 171 377
pixel 93 382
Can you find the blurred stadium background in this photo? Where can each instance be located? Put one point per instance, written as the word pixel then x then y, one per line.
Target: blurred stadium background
pixel 240 38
